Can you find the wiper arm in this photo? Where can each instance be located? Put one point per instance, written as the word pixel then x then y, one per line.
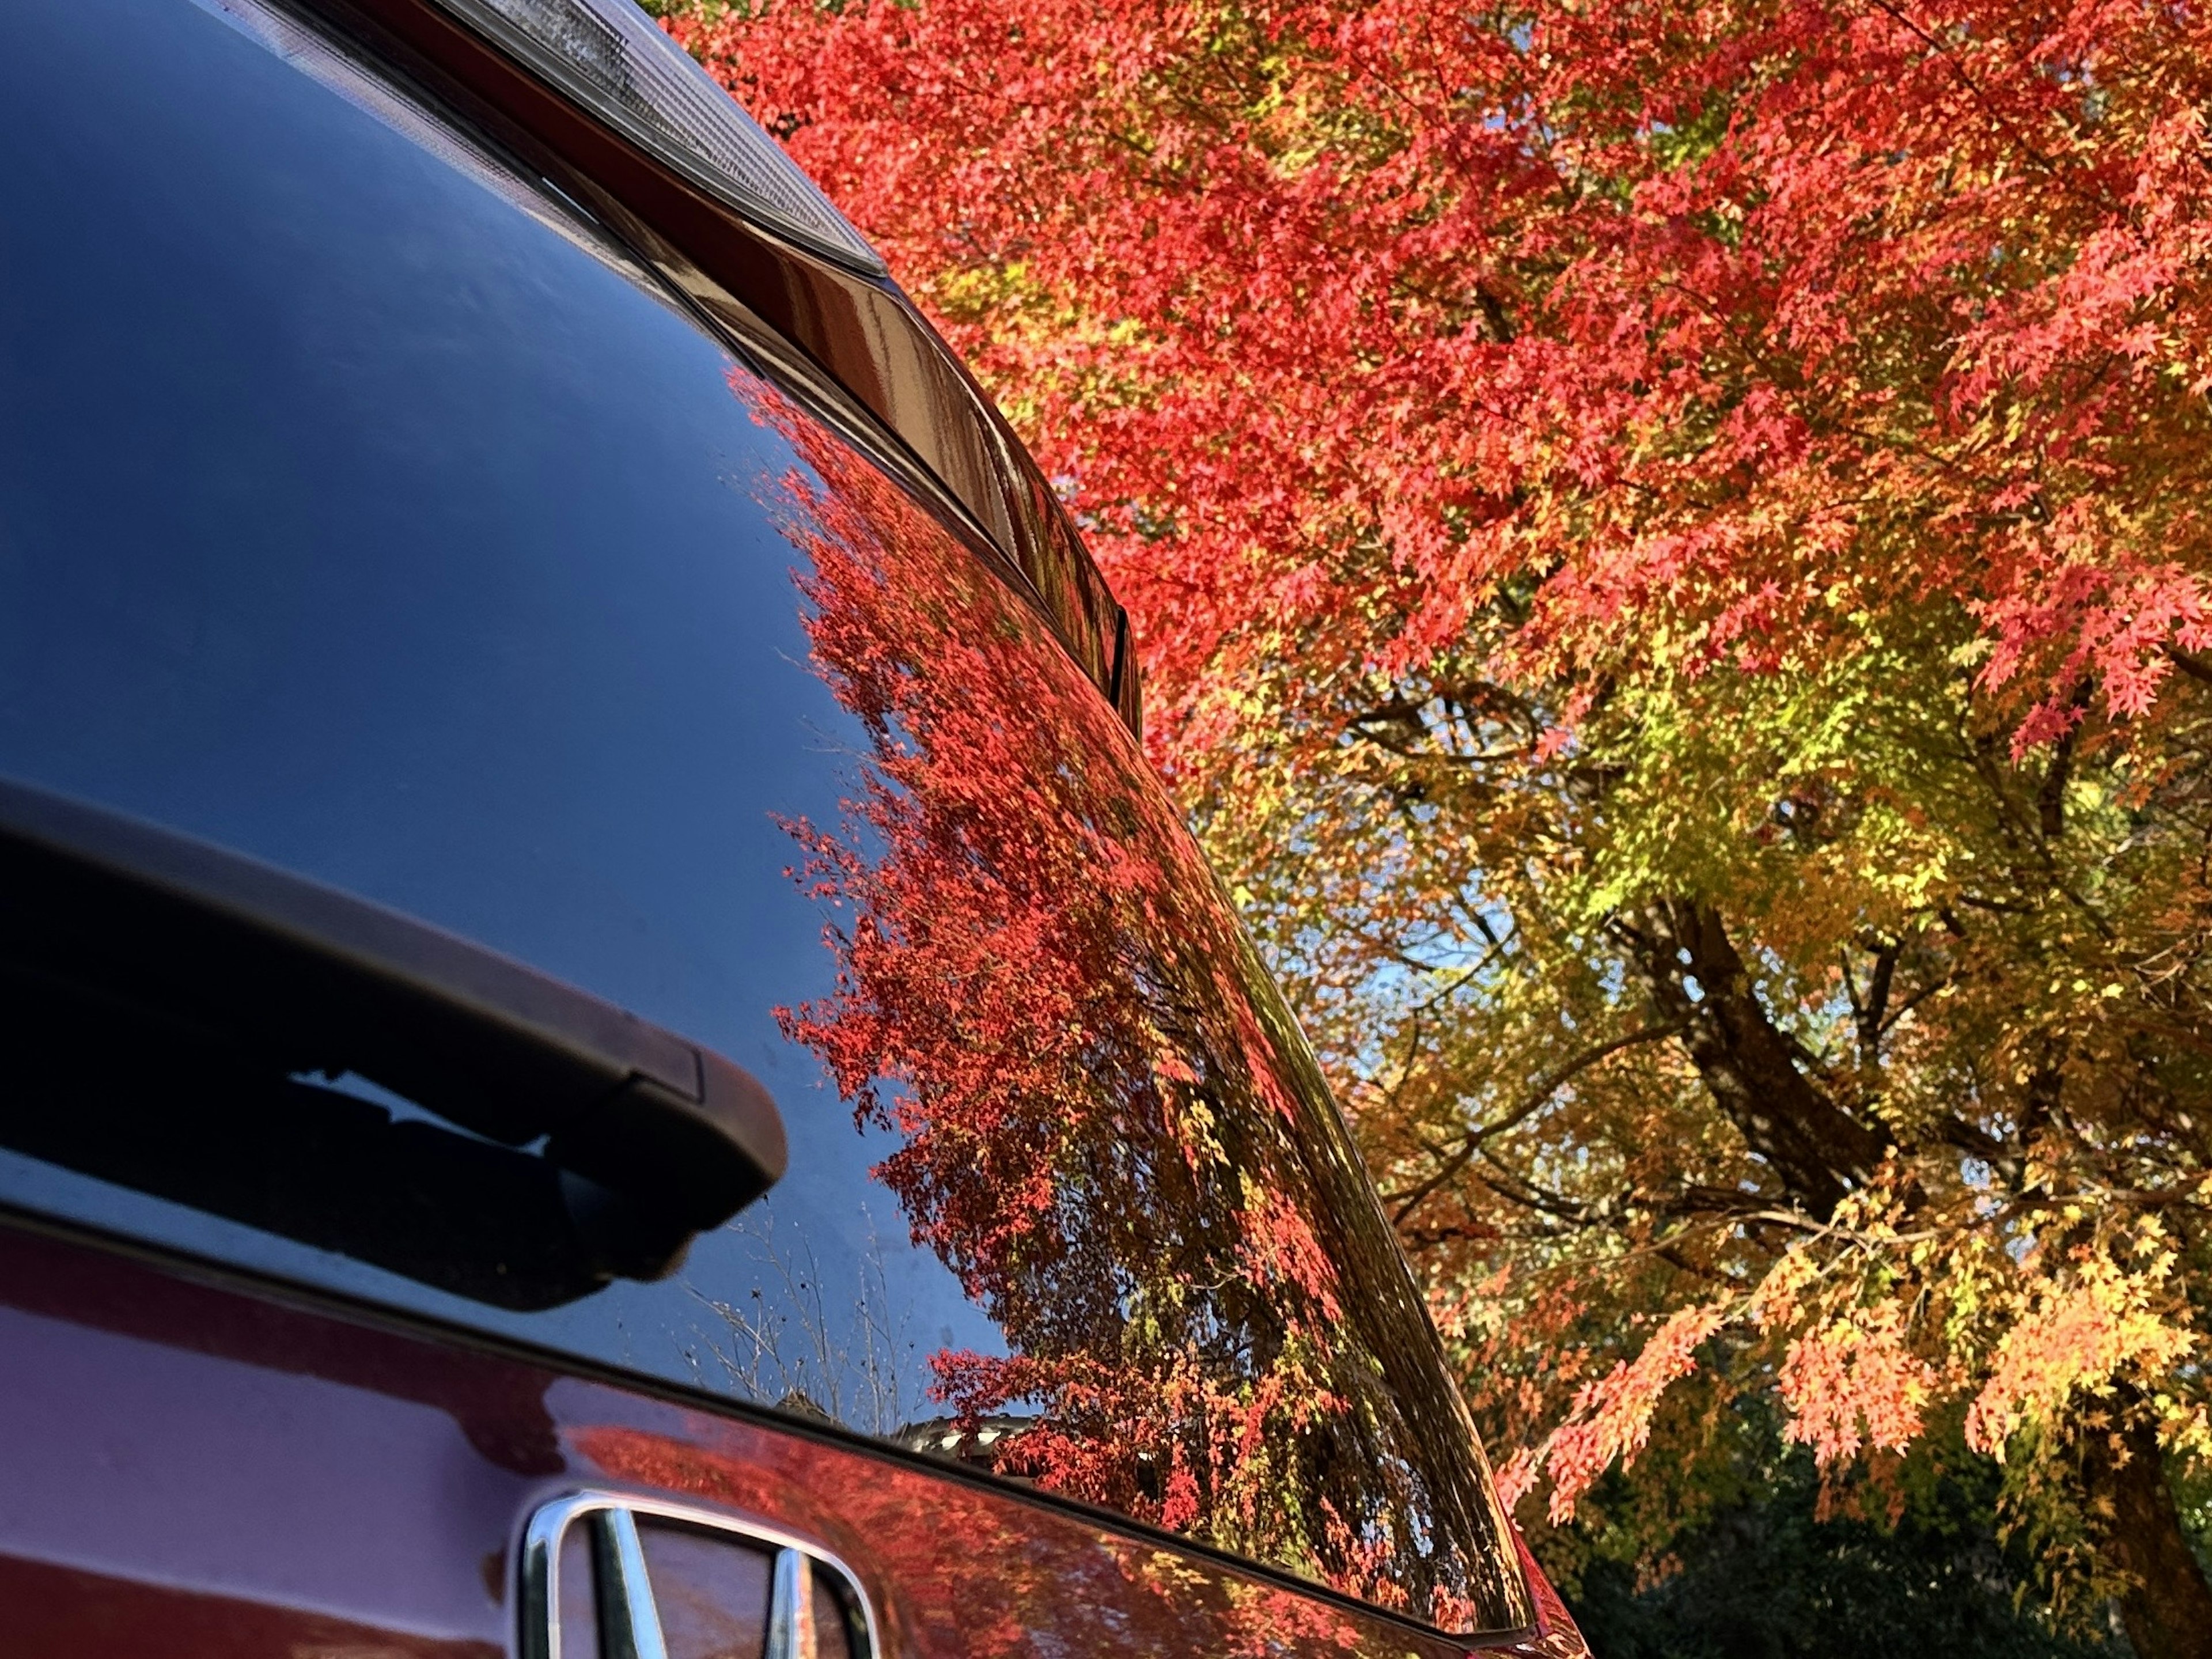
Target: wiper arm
pixel 638 1138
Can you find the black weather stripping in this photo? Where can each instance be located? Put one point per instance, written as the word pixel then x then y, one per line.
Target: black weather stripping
pixel 182 1020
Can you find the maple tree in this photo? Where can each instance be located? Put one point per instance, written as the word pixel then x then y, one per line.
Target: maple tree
pixel 1668 541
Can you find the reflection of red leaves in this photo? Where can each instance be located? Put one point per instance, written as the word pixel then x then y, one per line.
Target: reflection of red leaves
pixel 1006 986
pixel 988 1575
pixel 1279 1245
pixel 1041 993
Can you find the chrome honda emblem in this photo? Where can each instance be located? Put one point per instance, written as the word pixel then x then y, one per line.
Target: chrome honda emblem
pixel 619 1598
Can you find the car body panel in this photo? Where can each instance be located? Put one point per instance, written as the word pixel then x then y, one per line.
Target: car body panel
pixel 203 1466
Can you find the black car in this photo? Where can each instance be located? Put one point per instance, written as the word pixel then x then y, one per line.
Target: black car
pixel 614 1051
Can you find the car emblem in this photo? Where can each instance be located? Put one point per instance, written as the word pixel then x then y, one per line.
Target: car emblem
pixel 814 1608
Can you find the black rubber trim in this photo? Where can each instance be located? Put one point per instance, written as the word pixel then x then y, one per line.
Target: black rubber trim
pixel 332 983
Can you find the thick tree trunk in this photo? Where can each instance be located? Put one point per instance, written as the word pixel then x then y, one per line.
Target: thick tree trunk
pixel 1817 1150
pixel 2167 1609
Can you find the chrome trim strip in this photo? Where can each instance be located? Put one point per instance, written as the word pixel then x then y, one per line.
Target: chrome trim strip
pixel 541 1580
pixel 790 1609
pixel 629 1607
pixel 613 1515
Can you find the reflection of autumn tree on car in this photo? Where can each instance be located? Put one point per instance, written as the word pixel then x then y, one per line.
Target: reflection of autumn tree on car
pixel 1038 1569
pixel 1040 991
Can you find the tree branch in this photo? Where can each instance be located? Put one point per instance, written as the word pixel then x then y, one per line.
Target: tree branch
pixel 1749 1065
pixel 1530 1103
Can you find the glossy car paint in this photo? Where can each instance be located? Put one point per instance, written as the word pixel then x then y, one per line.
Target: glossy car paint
pixel 196 1468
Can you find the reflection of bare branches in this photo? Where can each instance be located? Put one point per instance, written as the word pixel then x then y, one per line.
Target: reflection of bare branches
pixel 788 1346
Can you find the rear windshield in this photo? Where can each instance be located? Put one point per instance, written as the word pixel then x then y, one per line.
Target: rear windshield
pixel 362 512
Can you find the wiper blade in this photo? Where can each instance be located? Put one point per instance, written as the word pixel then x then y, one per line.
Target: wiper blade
pixel 645 1137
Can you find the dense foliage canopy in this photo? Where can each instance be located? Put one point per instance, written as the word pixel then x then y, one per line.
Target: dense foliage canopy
pixel 1670 543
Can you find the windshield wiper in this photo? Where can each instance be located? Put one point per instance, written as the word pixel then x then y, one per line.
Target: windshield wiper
pixel 171 1001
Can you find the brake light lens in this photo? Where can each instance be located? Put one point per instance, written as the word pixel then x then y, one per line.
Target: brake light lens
pixel 609 57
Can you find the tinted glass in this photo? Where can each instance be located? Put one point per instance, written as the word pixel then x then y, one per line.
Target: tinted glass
pixel 359 512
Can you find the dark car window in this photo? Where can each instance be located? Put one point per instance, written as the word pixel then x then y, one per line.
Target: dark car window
pixel 363 516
